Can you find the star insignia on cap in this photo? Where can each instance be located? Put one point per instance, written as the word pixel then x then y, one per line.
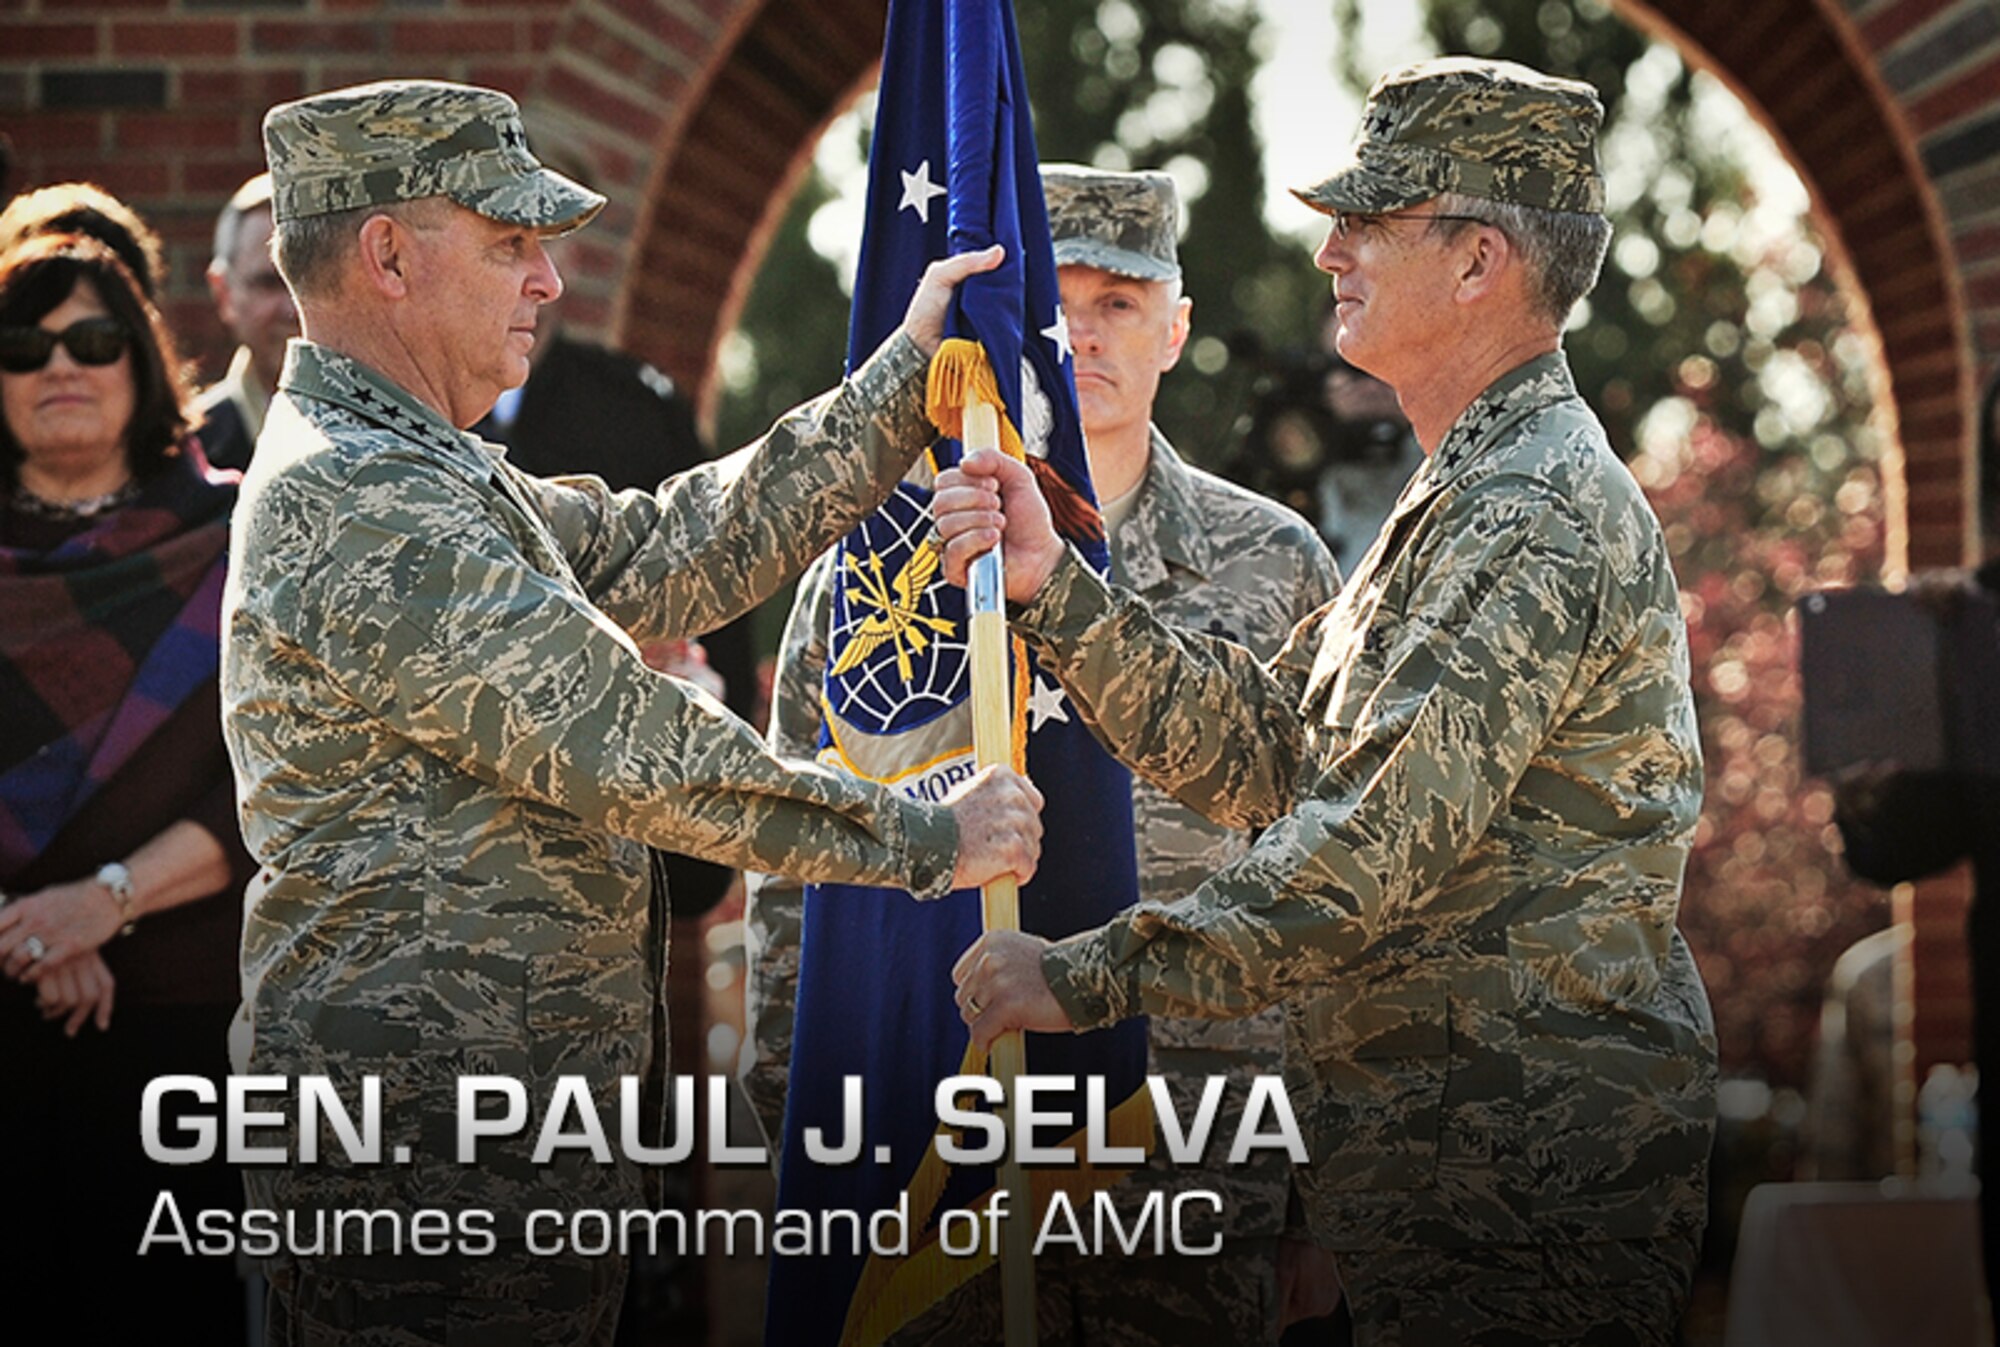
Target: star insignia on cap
pixel 1058 334
pixel 1045 703
pixel 918 190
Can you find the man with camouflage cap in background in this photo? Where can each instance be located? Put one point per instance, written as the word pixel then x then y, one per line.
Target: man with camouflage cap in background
pixel 1478 775
pixel 447 747
pixel 1214 558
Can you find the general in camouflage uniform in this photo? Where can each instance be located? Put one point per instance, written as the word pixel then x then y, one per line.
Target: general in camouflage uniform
pixel 1477 776
pixel 447 748
pixel 1210 556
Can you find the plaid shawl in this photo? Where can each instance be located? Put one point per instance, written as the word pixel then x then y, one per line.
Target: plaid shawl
pixel 102 638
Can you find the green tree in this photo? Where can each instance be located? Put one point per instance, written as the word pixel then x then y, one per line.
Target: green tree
pixel 1119 85
pixel 1167 84
pixel 791 338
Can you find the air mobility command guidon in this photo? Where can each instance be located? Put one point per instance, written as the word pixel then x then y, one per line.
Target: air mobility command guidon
pixel 1215 559
pixel 1477 776
pixel 448 751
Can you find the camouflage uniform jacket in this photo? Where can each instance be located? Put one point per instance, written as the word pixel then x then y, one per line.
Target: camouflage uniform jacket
pixel 1478 774
pixel 447 751
pixel 1208 555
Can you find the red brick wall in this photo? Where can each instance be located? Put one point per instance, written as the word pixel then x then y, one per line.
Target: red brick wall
pixel 161 100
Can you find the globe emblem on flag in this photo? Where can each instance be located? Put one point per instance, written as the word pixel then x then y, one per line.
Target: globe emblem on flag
pixel 898 628
pixel 1038 416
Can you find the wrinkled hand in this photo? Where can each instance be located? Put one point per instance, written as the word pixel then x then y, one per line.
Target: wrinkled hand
pixel 68 919
pixel 987 494
pixel 1308 1282
pixel 999 815
pixel 82 989
pixel 1001 987
pixel 924 319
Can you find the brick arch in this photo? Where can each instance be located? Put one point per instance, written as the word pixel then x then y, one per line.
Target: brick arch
pixel 1875 113
pixel 1890 113
pixel 697 118
pixel 1812 80
pixel 725 179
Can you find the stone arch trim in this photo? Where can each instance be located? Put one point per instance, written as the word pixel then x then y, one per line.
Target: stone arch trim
pixel 1811 77
pixel 726 180
pixel 697 117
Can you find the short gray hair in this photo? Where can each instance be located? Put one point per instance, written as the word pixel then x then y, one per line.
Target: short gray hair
pixel 311 250
pixel 254 195
pixel 1563 249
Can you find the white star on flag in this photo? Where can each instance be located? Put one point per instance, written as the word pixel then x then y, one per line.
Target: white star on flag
pixel 1058 332
pixel 918 189
pixel 1045 703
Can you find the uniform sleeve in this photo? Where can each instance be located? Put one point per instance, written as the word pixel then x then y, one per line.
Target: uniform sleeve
pixel 1198 716
pixel 774 912
pixel 1495 632
pixel 1319 578
pixel 427 614
pixel 719 539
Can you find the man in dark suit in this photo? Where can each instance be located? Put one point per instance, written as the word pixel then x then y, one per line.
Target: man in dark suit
pixel 253 303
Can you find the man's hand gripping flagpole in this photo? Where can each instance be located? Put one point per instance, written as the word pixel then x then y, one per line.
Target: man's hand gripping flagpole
pixel 1000 900
pixel 963 401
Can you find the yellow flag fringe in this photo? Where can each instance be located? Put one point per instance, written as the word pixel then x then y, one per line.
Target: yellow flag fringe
pixel 960 373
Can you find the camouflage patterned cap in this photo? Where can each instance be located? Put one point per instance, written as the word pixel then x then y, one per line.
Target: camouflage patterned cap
pixel 399 140
pixel 1488 129
pixel 1118 222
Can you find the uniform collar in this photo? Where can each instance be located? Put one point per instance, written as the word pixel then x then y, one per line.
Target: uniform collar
pixel 323 374
pixel 1508 400
pixel 1165 527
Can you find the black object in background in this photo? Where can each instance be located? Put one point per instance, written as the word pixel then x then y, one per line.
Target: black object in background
pixel 1894 677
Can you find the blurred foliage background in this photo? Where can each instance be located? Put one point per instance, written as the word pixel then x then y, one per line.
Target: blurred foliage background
pixel 1720 348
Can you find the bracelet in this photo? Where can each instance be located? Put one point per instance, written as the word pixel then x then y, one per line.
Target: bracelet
pixel 117 881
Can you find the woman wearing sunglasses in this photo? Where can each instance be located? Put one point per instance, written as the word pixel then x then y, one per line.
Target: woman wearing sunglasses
pixel 119 855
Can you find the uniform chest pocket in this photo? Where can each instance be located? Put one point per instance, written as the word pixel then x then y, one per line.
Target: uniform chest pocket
pixel 1381 1057
pixel 1353 658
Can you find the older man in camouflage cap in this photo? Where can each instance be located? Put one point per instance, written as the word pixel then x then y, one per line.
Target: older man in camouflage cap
pixel 447 747
pixel 1210 556
pixel 1477 776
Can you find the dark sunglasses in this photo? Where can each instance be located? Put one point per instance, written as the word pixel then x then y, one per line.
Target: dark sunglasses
pixel 90 341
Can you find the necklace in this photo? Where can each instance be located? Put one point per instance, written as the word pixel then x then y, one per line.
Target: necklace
pixel 28 502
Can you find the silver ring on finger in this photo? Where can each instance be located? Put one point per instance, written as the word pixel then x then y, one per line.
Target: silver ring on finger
pixel 36 950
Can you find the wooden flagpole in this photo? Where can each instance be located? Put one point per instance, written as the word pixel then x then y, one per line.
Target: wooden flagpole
pixel 1000 901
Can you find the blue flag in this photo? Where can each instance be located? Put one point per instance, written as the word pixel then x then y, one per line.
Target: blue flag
pixel 953 169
